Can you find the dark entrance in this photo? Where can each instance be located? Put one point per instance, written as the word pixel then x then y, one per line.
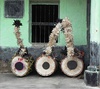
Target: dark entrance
pixel 43 20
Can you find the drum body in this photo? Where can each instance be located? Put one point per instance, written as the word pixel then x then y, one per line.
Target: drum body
pixel 21 66
pixel 45 65
pixel 72 66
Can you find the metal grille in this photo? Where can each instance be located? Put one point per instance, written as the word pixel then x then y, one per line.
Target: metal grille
pixel 43 20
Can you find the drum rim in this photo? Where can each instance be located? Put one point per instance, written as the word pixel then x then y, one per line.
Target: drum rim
pixel 52 71
pixel 28 69
pixel 75 74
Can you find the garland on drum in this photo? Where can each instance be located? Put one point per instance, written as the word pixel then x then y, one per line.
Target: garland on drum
pixel 45 59
pixel 22 61
pixel 46 65
pixel 17 24
pixel 52 38
pixel 71 50
pixel 65 26
pixel 74 56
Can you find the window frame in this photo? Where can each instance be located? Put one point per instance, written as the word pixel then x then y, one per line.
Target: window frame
pixel 30 22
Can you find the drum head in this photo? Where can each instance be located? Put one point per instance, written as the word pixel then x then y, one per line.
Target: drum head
pixel 45 65
pixel 19 66
pixel 72 66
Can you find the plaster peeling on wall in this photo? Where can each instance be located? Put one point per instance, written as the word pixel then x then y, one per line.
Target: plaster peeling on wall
pixel 94 54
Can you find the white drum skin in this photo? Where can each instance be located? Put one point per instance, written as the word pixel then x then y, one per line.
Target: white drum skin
pixel 45 65
pixel 20 66
pixel 74 71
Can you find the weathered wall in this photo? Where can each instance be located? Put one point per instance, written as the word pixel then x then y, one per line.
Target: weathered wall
pixel 76 11
pixel 6 34
pixel 6 55
pixel 95 33
pixel 94 54
pixel 0 23
pixel 92 76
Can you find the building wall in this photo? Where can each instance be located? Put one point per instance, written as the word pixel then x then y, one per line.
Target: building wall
pixel 7 36
pixel 75 10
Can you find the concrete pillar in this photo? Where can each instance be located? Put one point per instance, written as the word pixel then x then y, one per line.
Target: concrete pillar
pixel 95 32
pixel 91 75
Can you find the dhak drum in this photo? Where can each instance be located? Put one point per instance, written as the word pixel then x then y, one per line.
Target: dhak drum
pixel 21 66
pixel 45 65
pixel 72 66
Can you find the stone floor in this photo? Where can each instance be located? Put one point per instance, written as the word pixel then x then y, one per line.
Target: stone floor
pixel 34 81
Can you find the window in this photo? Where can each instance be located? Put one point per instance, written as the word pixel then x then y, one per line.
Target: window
pixel 43 20
pixel 14 8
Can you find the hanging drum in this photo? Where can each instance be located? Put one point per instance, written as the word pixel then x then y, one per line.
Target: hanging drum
pixel 72 66
pixel 45 65
pixel 21 66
